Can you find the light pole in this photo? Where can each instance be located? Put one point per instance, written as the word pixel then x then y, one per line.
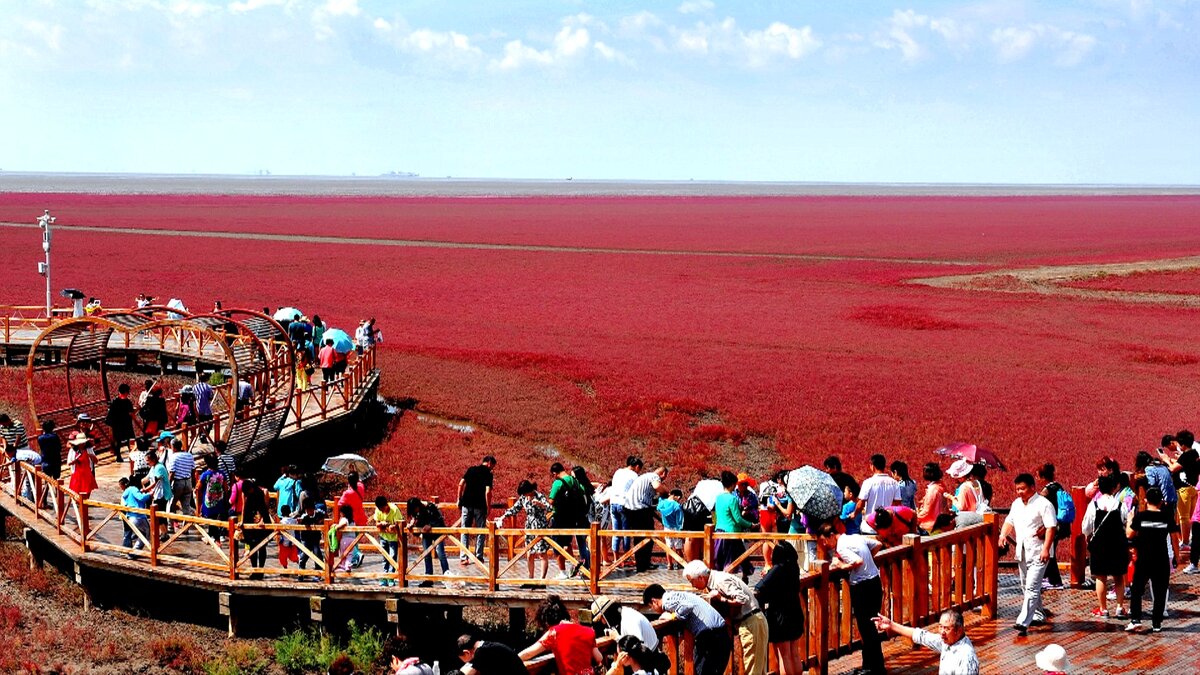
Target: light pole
pixel 44 222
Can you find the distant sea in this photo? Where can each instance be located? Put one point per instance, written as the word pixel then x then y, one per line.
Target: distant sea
pixel 392 186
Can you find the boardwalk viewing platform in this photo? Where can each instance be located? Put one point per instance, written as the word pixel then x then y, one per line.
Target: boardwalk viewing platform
pixel 922 577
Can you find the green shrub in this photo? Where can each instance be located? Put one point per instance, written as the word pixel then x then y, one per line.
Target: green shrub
pixel 312 649
pixel 366 647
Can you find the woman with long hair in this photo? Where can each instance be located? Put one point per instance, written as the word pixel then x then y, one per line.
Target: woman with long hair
pixel 933 501
pixel 254 512
pixel 778 594
pixel 634 655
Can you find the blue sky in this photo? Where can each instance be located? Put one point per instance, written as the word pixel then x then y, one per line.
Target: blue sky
pixel 1096 91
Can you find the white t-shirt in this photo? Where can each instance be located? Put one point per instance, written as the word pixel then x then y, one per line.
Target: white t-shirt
pixel 850 549
pixel 619 487
pixel 1027 518
pixel 635 623
pixel 707 491
pixel 879 491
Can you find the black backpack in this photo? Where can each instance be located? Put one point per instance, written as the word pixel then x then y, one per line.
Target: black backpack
pixel 570 504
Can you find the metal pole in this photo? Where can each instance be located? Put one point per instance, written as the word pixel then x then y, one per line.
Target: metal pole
pixel 44 221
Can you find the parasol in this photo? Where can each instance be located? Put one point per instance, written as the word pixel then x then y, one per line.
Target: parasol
pixel 286 314
pixel 814 493
pixel 348 462
pixel 341 341
pixel 971 453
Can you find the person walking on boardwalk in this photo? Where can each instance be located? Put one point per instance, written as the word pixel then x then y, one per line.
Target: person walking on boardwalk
pixel 1153 533
pixel 475 498
pixel 1104 526
pixel 711 644
pixel 855 553
pixel 957 652
pixel 1032 522
pixel 1064 510
pixel 729 591
pixel 83 465
pixel 120 419
pixel 569 511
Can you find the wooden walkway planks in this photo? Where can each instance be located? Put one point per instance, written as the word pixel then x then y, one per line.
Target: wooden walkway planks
pixel 1093 646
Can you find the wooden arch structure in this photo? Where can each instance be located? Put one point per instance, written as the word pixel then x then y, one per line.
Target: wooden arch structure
pixel 72 364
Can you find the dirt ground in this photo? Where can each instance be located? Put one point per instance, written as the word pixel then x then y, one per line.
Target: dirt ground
pixel 44 629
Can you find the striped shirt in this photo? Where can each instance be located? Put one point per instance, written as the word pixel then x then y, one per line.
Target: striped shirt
pixel 183 464
pixel 14 435
pixel 204 397
pixel 226 465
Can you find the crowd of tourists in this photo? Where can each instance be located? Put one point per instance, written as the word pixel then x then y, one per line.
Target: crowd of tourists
pixel 1140 525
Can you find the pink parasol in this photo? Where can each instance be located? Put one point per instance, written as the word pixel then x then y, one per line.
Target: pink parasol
pixel 971 453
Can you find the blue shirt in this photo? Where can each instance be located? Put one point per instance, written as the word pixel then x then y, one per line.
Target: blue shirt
pixel 286 487
pixel 697 614
pixel 1159 476
pixel 672 514
pixel 135 499
pixel 853 525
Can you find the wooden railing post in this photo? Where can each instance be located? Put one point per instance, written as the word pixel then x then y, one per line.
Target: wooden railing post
pixel 991 565
pixel 330 552
pixel 597 559
pixel 84 523
pixel 153 535
pixel 402 557
pixel 493 558
pixel 1078 541
pixel 37 493
pixel 918 579
pixel 821 621
pixel 708 545
pixel 233 549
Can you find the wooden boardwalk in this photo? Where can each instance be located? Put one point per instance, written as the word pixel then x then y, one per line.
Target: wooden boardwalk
pixel 1093 645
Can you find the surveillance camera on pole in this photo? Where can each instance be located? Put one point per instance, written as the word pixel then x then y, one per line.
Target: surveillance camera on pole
pixel 45 221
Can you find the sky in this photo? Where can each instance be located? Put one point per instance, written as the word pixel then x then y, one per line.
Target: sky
pixel 1082 91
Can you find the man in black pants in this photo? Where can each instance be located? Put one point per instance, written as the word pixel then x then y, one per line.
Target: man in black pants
pixel 639 510
pixel 711 644
pixel 855 553
pixel 1152 531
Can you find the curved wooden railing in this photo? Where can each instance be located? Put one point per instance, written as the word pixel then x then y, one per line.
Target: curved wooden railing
pixel 921 578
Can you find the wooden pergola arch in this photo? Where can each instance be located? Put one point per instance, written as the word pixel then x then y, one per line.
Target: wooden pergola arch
pixel 247 345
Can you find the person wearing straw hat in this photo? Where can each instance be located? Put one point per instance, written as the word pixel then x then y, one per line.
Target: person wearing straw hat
pixel 82 460
pixel 620 620
pixel 1053 660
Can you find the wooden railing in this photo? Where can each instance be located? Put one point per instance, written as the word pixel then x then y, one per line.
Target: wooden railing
pixel 921 578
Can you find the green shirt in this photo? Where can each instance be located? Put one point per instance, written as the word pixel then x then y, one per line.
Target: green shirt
pixel 727 514
pixel 390 518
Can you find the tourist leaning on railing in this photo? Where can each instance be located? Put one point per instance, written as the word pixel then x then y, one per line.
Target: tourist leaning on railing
pixel 573 645
pixel 731 593
pixel 711 644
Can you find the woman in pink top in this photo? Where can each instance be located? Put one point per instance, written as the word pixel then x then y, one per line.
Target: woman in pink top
pixel 353 497
pixel 933 502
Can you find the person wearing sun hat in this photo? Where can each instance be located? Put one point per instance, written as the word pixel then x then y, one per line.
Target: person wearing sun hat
pixel 1053 660
pixel 969 494
pixel 621 620
pixel 82 460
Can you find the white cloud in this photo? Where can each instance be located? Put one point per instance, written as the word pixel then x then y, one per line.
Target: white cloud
pixel 517 54
pixel 325 14
pixel 696 6
pixel 906 31
pixel 48 34
pixel 573 41
pixel 251 5
pixel 640 22
pixel 755 47
pixel 1068 48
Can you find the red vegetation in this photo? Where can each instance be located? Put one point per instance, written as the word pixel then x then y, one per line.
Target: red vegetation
pixel 1181 282
pixel 700 361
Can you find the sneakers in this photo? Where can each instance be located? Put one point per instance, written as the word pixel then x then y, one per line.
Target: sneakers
pixel 1021 630
pixel 1121 613
pixel 1191 569
pixel 563 575
pixel 1156 629
pixel 1099 613
pixel 1133 627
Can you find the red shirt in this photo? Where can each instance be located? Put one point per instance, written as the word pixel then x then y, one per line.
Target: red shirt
pixel 572 646
pixel 327 356
pixel 355 500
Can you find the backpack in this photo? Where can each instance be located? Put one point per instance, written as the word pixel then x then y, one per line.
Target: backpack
pixel 570 504
pixel 1064 505
pixel 215 490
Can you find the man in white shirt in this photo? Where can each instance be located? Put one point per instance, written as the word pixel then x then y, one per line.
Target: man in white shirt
pixel 950 640
pixel 1031 522
pixel 621 480
pixel 878 491
pixel 855 553
pixel 639 510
